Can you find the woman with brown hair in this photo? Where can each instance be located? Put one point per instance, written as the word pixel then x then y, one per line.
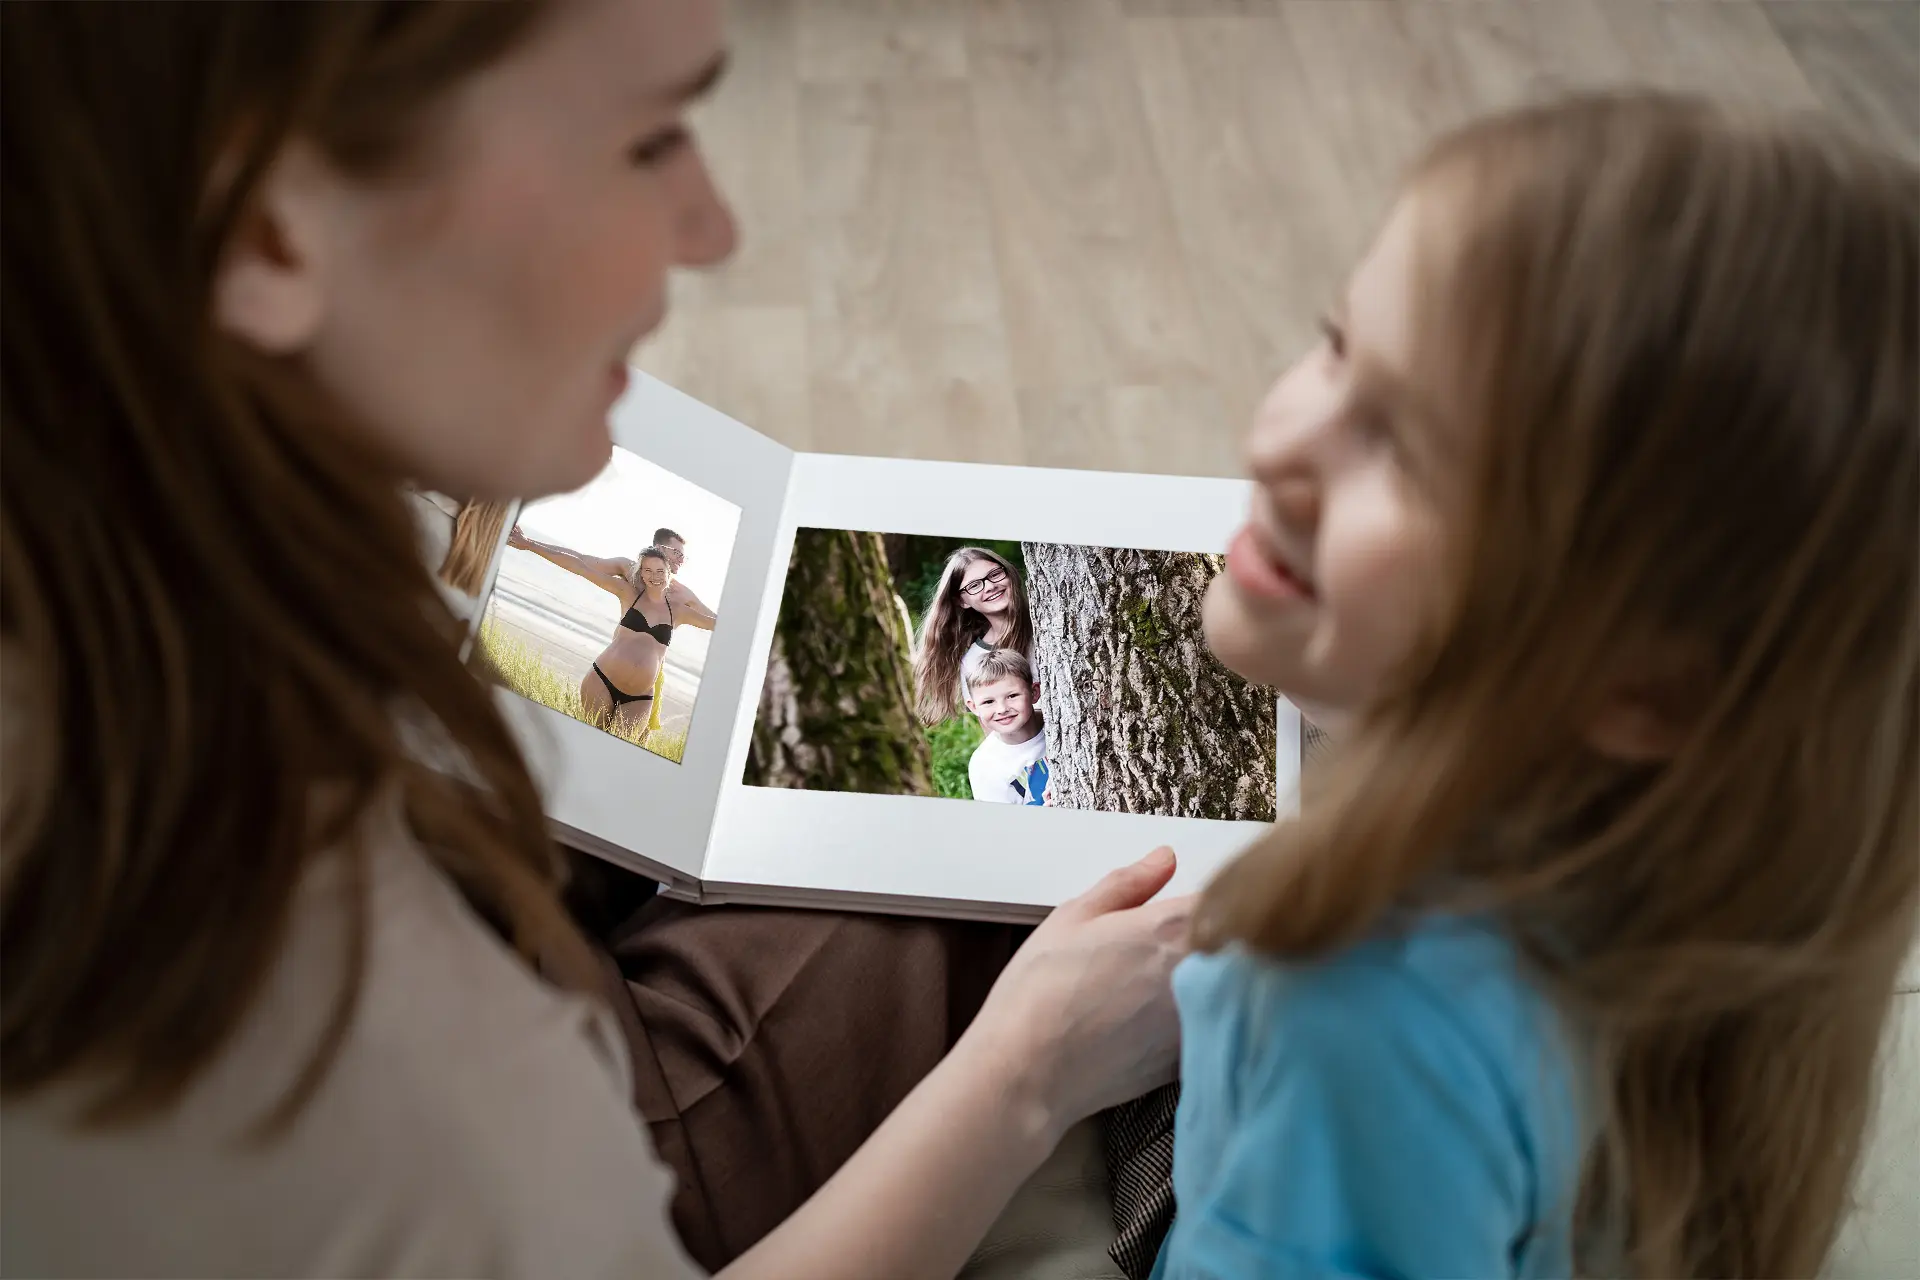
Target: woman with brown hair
pixel 286 980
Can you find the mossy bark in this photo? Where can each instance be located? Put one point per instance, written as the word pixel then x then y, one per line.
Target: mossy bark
pixel 1141 717
pixel 836 711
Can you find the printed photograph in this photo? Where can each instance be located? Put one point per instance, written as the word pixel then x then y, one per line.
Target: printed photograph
pixel 606 598
pixel 1024 673
pixel 459 541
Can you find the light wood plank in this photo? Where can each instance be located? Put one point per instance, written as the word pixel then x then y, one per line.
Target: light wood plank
pixel 1265 212
pixel 905 319
pixel 1725 48
pixel 1183 429
pixel 1513 52
pixel 858 41
pixel 735 336
pixel 749 133
pixel 923 389
pixel 1198 8
pixel 750 362
pixel 1096 290
pixel 1863 60
pixel 1090 232
pixel 1380 82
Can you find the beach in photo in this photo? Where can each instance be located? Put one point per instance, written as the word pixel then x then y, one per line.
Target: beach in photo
pixel 605 600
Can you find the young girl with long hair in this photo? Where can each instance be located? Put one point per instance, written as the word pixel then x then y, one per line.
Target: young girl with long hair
pixel 979 605
pixel 1589 529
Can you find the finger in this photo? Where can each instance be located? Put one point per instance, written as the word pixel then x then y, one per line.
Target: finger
pixel 1171 921
pixel 1127 886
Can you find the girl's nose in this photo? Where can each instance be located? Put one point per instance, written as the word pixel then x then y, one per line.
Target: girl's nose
pixel 1296 500
pixel 1282 455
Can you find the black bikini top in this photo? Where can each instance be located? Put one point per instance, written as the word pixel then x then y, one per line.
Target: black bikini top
pixel 634 620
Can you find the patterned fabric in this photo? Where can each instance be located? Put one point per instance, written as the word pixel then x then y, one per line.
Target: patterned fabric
pixel 1139 1138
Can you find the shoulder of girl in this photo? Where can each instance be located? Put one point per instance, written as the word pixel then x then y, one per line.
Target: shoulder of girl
pixel 1438 974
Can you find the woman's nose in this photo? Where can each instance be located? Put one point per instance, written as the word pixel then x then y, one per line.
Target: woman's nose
pixel 707 232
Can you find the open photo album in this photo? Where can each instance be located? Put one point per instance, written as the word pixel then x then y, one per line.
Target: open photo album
pixel 759 675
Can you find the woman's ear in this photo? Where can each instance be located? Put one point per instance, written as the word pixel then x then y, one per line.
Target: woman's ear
pixel 269 289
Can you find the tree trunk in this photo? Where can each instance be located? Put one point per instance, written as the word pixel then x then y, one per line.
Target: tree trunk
pixel 899 548
pixel 836 711
pixel 1140 716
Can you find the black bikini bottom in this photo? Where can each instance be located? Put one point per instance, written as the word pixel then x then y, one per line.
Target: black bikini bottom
pixel 619 699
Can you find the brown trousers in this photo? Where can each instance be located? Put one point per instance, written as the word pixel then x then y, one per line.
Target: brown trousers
pixel 768 1044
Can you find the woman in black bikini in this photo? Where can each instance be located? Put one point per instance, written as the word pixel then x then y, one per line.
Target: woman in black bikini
pixel 618 692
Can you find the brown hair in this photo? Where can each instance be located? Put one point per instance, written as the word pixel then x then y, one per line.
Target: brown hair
pixel 236 650
pixel 1000 664
pixel 663 535
pixel 950 629
pixel 1689 344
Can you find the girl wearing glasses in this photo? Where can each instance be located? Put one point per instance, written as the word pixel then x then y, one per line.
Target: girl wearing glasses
pixel 979 606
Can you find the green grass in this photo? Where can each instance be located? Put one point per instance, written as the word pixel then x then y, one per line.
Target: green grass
pixel 522 671
pixel 952 743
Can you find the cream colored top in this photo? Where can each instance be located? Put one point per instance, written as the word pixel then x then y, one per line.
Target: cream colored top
pixel 475 1123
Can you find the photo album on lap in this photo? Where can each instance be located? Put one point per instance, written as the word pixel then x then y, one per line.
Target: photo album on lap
pixel 936 688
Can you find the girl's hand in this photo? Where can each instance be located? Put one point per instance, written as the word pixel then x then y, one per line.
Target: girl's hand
pixel 516 539
pixel 1083 1017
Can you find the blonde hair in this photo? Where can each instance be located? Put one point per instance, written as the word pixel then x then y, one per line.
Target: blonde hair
pixel 476 537
pixel 1689 342
pixel 1001 663
pixel 950 629
pixel 236 650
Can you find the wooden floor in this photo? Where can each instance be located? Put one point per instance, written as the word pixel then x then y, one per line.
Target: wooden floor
pixel 1090 232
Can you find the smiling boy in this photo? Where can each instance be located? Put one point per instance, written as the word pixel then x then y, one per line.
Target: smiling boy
pixel 1010 764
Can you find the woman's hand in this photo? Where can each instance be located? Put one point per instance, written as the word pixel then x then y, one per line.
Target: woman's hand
pixel 1083 1015
pixel 517 539
pixel 1082 1019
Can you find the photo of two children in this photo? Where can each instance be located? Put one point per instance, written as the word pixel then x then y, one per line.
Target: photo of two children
pixel 1042 674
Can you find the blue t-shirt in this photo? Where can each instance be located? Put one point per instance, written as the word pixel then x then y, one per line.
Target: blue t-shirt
pixel 1405 1108
pixel 1037 782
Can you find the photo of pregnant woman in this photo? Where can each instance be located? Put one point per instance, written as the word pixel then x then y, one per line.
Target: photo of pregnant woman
pixel 617 641
pixel 1038 674
pixel 639 645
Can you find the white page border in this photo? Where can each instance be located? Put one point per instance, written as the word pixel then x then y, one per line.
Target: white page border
pixel 957 850
pixel 611 790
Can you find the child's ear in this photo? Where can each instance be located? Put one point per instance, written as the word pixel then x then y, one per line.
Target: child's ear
pixel 1631 730
pixel 1646 721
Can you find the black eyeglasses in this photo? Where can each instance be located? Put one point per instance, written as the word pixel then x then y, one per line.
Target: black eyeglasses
pixel 993 579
